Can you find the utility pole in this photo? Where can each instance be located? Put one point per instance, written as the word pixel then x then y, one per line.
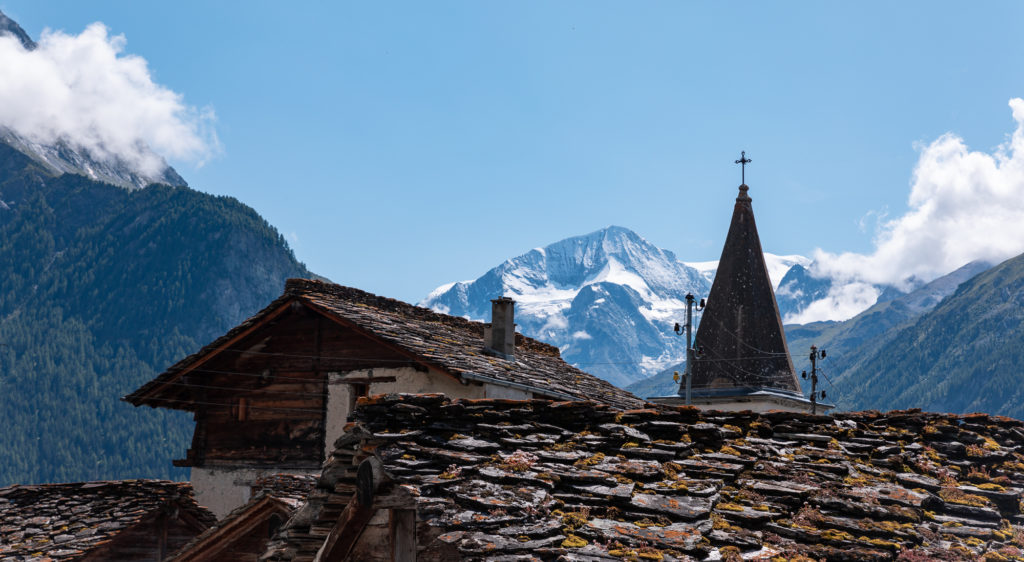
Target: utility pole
pixel 815 355
pixel 690 355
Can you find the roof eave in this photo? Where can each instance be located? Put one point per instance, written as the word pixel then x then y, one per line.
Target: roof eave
pixel 151 393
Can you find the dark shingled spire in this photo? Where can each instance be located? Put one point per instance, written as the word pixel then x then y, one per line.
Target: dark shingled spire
pixel 740 342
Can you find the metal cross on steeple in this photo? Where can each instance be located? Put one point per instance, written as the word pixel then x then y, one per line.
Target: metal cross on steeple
pixel 743 161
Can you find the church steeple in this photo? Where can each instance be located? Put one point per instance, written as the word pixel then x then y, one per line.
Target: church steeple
pixel 739 360
pixel 740 344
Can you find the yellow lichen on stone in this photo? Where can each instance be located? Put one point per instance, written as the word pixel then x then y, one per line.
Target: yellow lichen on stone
pixel 575 519
pixel 836 535
pixel 956 495
pixel 589 461
pixel 572 541
pixel 879 542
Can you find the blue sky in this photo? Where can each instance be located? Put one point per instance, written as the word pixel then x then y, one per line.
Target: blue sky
pixel 399 146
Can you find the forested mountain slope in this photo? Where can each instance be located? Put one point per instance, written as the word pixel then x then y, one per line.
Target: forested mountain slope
pixel 965 355
pixel 103 287
pixel 850 342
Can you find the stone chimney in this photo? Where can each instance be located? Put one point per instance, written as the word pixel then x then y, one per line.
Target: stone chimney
pixel 500 334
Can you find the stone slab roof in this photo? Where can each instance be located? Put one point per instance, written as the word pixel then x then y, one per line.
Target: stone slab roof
pixel 67 521
pixel 275 493
pixel 539 480
pixel 289 488
pixel 453 345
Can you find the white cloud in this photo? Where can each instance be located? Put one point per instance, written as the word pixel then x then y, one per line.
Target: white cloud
pixel 84 90
pixel 843 301
pixel 964 206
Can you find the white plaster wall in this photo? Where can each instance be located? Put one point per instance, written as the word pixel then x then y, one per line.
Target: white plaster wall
pixel 508 393
pixel 338 398
pixel 223 489
pixel 411 381
pixel 407 380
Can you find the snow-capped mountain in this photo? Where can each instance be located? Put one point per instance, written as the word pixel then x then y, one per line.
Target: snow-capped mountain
pixel 778 267
pixel 609 299
pixel 64 158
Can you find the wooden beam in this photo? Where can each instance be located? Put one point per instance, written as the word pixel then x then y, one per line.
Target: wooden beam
pixel 346 532
pixel 398 499
pixel 365 380
pixel 213 545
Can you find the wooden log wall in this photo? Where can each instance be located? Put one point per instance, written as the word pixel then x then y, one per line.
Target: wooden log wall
pixel 263 399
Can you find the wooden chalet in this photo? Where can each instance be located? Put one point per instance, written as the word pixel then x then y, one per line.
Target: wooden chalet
pixel 273 394
pixel 128 520
pixel 243 535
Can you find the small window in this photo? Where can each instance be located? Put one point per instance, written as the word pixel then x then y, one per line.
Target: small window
pixel 355 391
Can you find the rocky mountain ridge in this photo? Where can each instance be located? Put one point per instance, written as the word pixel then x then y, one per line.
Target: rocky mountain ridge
pixel 580 293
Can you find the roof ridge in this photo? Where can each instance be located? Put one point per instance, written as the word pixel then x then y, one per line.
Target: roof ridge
pixel 96 483
pixel 298 287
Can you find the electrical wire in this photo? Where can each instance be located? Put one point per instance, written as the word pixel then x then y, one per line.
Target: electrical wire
pixel 302 356
pixel 412 362
pixel 247 406
pixel 262 376
pixel 243 389
pixel 744 343
pixel 753 377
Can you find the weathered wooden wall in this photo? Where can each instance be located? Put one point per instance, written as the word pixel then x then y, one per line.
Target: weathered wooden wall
pixel 262 400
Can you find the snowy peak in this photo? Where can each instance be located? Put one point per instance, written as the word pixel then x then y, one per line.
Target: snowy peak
pixel 62 158
pixel 778 267
pixel 558 271
pixel 607 299
pixel 613 254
